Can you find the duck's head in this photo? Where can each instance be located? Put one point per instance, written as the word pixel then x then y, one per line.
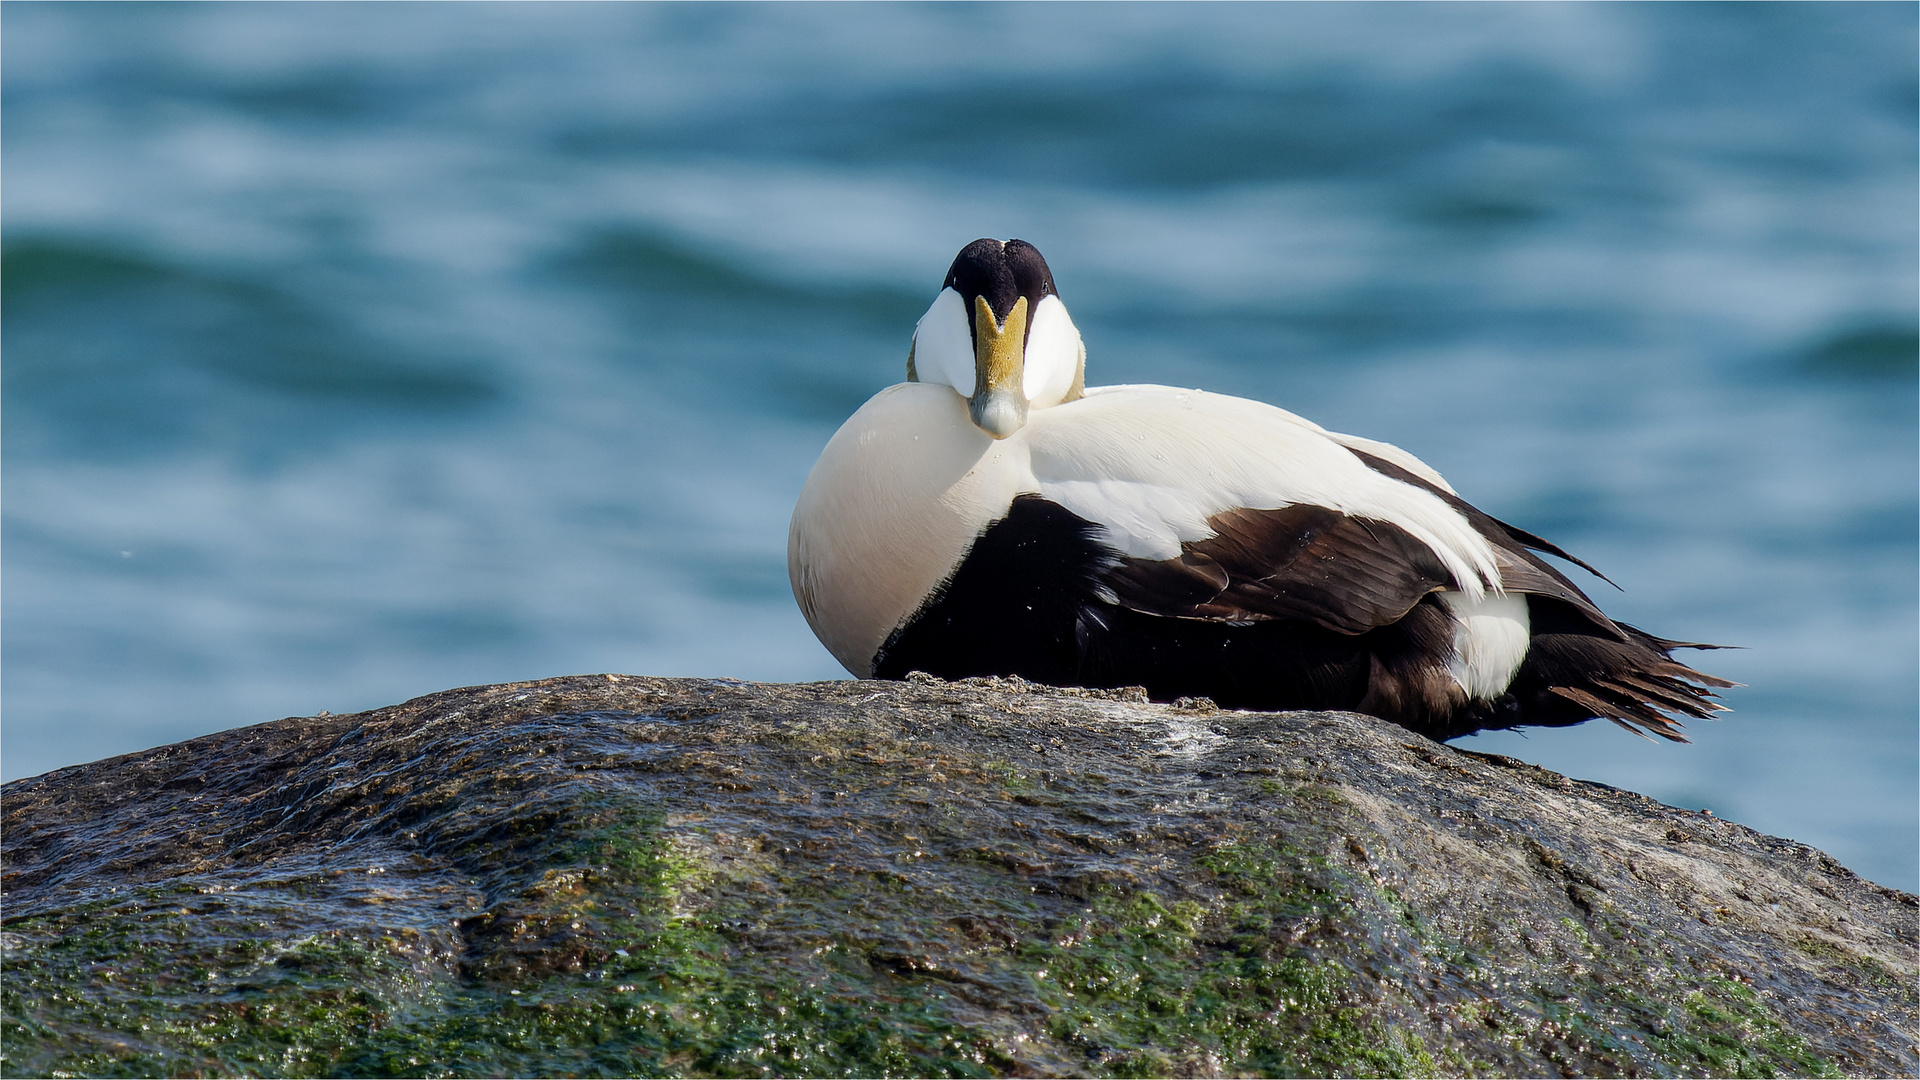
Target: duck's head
pixel 999 335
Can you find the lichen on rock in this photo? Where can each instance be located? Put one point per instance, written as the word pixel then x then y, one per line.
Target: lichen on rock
pixel 613 875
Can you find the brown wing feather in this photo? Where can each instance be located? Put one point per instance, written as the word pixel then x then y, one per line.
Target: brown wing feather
pixel 1578 654
pixel 1520 569
pixel 1530 540
pixel 1351 575
pixel 1307 562
pixel 1523 572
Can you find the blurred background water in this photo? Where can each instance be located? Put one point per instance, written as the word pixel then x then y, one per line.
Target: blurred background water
pixel 354 352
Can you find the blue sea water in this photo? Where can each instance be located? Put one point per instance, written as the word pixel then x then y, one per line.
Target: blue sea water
pixel 353 352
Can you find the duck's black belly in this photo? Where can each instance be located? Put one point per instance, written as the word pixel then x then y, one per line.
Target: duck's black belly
pixel 1027 601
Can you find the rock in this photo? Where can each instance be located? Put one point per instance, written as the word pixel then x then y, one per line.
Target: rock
pixel 634 876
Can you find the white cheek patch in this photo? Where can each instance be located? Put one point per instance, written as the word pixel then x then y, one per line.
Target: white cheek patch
pixel 943 345
pixel 1053 354
pixel 1490 638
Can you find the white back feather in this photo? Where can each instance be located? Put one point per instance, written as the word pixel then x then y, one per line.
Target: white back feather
pixel 1152 463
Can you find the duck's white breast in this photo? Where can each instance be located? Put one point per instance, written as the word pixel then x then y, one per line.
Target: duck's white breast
pixel 891 507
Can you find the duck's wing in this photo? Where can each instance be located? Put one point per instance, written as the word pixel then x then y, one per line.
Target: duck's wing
pixel 1582 663
pixel 1348 574
pixel 1353 574
pixel 1233 510
pixel 1229 511
pixel 1346 571
pixel 1521 570
pixel 1211 484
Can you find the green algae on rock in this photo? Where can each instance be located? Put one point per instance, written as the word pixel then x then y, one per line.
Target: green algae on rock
pixel 612 875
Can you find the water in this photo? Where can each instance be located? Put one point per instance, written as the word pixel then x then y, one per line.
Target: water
pixel 355 352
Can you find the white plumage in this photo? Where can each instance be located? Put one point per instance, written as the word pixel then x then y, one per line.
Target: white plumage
pixel 991 514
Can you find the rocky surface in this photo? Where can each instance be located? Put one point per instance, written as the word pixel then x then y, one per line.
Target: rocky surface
pixel 635 876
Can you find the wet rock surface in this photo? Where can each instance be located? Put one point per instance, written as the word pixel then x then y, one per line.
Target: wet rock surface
pixel 621 875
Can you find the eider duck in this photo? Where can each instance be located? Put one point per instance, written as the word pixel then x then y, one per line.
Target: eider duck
pixel 994 515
